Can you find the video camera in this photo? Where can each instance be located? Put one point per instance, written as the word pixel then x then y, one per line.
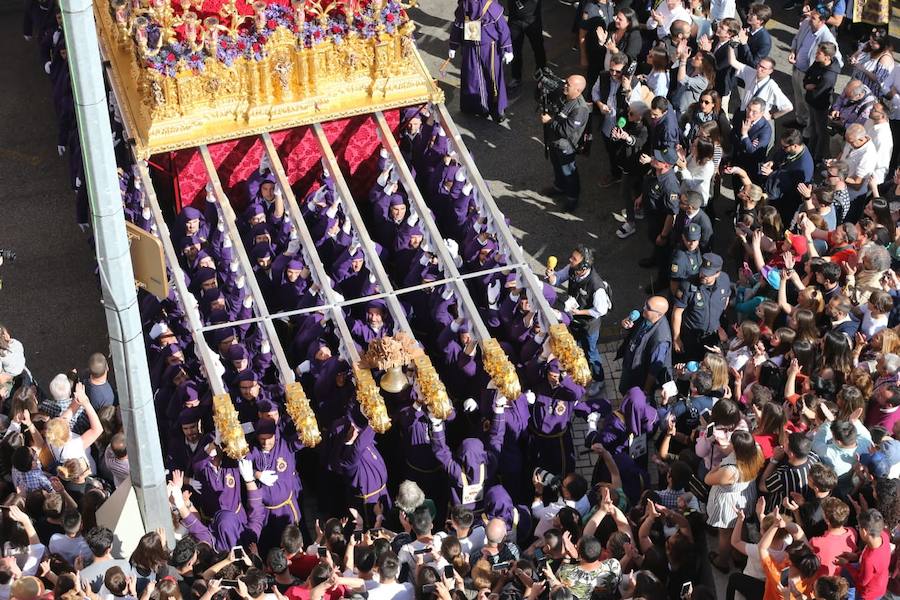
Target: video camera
pixel 549 91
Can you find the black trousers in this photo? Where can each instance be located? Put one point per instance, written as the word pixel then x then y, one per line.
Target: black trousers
pixel 750 587
pixel 518 31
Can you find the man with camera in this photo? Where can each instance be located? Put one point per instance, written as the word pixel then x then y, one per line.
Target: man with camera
pixel 563 131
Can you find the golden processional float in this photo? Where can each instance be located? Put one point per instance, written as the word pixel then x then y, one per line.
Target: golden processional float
pixel 212 88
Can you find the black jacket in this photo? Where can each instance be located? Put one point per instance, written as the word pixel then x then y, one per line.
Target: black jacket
pixel 566 127
pixel 627 155
pixel 824 79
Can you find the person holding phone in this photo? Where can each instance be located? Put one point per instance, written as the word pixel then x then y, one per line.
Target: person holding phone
pixel 388 588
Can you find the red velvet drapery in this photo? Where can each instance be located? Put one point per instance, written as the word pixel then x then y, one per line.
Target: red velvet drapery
pixel 354 141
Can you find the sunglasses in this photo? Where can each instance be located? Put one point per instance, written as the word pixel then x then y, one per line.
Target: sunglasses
pixel 706 101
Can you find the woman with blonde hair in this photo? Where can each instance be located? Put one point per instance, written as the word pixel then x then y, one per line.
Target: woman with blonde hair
pixel 718 367
pixel 62 442
pixel 733 487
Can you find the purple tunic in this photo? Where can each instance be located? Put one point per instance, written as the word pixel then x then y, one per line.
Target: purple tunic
pixel 483 89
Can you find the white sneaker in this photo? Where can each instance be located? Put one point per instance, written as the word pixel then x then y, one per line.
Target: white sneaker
pixel 620 216
pixel 626 230
pixel 639 214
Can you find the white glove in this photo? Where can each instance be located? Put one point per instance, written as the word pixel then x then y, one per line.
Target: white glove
pixel 47 67
pixel 145 213
pixel 332 210
pixel 447 293
pixel 60 150
pixel 177 498
pixel 248 302
pixel 529 396
pixel 592 421
pixel 246 469
pixel 221 227
pixel 500 404
pixel 268 478
pixel 240 281
pixel 346 227
pixel 265 347
pixel 27 38
pixel 304 367
pixel 470 405
pixel 413 219
pixel 78 182
pixel 452 54
pixel 508 57
pixel 196 485
pixel 233 266
pixel 493 292
pixel 436 424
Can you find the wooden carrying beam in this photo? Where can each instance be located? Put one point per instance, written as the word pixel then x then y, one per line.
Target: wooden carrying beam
pixel 226 213
pixel 186 299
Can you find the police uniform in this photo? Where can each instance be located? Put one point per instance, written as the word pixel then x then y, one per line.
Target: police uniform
pixel 703 307
pixel 661 195
pixel 685 263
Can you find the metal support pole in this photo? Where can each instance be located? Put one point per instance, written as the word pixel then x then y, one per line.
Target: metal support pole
pixel 126 339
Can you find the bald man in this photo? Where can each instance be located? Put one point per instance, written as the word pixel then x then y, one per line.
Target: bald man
pixel 496 549
pixel 646 352
pixel 562 132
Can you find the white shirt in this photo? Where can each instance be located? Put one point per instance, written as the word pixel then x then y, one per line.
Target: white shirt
pixel 862 162
pixel 609 119
pixel 407 552
pixel 391 591
pixel 721 9
pixel 472 543
pixel 69 548
pixel 546 514
pixel 13 362
pixel 701 175
pixel 767 90
pixel 668 17
pixel 884 143
pixel 892 82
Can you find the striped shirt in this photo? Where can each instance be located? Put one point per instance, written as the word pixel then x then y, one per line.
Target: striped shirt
pixel 789 478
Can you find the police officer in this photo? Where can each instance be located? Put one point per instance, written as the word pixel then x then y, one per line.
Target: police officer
pixel 695 319
pixel 525 21
pixel 660 198
pixel 685 260
pixel 563 131
pixel 589 300
pixel 689 212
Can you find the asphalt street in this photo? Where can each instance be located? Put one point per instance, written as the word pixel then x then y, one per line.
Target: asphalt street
pixel 50 299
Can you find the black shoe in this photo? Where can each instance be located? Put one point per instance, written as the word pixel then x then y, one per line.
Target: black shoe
pixel 552 191
pixel 498 117
pixel 647 263
pixel 570 205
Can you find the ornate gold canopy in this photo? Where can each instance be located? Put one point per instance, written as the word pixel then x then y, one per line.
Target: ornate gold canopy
pixel 204 71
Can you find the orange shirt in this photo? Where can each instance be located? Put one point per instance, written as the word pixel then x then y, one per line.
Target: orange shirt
pixel 773 579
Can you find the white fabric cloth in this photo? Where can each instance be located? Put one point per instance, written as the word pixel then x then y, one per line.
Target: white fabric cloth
pixel 391 591
pixel 668 17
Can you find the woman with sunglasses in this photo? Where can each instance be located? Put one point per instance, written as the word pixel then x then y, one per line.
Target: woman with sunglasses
pixel 873 63
pixel 707 109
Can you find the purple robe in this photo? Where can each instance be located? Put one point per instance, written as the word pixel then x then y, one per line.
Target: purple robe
pixel 359 463
pixel 498 504
pixel 472 464
pixel 640 416
pixel 282 499
pixel 221 486
pixel 483 90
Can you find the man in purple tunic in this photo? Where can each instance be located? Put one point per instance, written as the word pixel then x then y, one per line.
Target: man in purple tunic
pixel 481 31
pixel 352 455
pixel 275 467
pixel 556 400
